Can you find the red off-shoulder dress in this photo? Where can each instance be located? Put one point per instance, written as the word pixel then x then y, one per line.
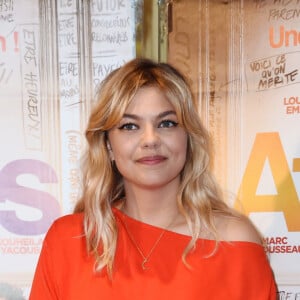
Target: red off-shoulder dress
pixel 237 271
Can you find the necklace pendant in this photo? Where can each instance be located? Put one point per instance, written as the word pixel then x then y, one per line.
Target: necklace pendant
pixel 144 267
pixel 145 257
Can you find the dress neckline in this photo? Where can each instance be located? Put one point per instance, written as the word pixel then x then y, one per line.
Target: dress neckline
pixel 132 221
pixel 142 225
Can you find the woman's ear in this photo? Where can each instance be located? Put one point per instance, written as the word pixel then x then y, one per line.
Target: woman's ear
pixel 110 152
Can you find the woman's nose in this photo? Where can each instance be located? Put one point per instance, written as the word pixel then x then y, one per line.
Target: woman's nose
pixel 150 137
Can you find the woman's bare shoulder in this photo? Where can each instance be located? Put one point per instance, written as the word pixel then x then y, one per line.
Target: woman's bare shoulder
pixel 238 228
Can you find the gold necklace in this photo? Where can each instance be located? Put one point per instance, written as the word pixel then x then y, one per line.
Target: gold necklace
pixel 145 257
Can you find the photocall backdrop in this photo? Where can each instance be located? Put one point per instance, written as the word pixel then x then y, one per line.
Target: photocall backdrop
pixel 54 53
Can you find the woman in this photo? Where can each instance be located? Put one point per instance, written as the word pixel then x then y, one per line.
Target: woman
pixel 151 223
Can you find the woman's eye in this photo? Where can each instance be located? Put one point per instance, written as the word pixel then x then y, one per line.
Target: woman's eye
pixel 128 126
pixel 167 124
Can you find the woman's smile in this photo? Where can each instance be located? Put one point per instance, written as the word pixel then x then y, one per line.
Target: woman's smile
pixel 152 160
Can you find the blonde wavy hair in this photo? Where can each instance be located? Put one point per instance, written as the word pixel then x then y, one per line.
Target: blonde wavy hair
pixel 199 197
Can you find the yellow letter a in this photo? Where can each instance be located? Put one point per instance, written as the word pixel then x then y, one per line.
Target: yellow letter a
pixel 268 146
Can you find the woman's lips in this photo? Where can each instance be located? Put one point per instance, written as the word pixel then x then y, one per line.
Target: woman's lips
pixel 151 160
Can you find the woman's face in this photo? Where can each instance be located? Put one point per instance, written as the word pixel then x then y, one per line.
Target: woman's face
pixel 148 145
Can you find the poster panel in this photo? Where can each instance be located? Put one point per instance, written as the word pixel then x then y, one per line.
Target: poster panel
pixel 27 205
pixel 270 111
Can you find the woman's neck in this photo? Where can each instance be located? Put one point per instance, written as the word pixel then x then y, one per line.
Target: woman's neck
pixel 157 207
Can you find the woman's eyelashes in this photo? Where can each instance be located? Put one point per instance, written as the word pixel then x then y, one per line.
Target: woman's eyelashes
pixel 162 124
pixel 167 124
pixel 128 126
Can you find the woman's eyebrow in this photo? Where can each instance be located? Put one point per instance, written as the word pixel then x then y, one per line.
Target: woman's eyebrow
pixel 159 116
pixel 166 113
pixel 131 116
